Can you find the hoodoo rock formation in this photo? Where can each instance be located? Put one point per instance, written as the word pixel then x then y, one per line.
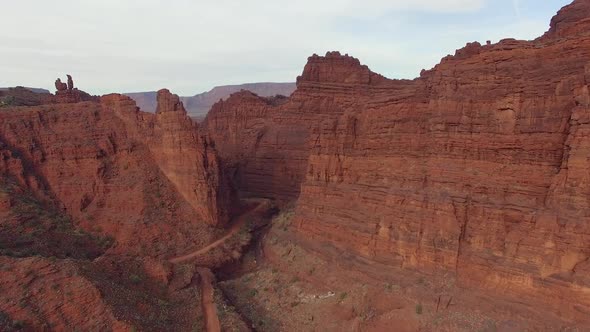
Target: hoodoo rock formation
pixel 70 82
pixel 60 86
pixel 66 93
pixel 477 168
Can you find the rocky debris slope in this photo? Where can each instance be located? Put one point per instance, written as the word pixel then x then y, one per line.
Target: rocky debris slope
pixel 29 227
pixel 41 294
pixel 477 168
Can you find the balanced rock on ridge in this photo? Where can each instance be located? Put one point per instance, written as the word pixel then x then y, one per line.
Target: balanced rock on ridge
pixel 70 82
pixel 67 93
pixel 60 86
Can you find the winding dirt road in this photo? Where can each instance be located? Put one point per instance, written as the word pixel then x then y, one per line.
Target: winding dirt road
pixel 233 230
pixel 207 277
pixel 208 301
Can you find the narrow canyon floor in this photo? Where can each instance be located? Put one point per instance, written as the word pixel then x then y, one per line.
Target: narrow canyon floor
pixel 285 283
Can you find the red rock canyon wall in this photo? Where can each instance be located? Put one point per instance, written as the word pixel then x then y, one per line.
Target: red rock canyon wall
pixel 479 167
pixel 149 180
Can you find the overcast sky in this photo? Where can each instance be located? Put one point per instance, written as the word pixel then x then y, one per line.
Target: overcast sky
pixel 190 46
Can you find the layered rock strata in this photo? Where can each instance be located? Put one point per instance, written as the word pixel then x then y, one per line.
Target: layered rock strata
pixel 150 181
pixel 477 168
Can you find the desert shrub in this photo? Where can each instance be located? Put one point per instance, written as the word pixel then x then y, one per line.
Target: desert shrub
pixel 134 278
pixel 18 325
pixel 342 296
pixel 7 101
pixel 419 308
pixel 283 220
pixel 368 313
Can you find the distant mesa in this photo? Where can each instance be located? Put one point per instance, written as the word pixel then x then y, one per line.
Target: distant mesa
pixel 35 90
pixel 198 105
pixel 23 96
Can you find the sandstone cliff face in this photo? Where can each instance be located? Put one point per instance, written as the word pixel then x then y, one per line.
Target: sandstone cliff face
pixel 266 140
pixel 478 168
pixel 137 177
pixel 189 161
pixel 570 20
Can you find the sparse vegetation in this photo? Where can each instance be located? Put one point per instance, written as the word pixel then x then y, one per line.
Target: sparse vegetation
pixel 39 228
pixel 419 308
pixel 252 293
pixel 7 101
pixel 342 296
pixel 18 325
pixel 368 313
pixel 283 220
pixel 134 278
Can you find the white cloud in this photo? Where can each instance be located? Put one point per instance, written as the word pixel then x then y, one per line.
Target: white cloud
pixel 189 46
pixel 516 5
